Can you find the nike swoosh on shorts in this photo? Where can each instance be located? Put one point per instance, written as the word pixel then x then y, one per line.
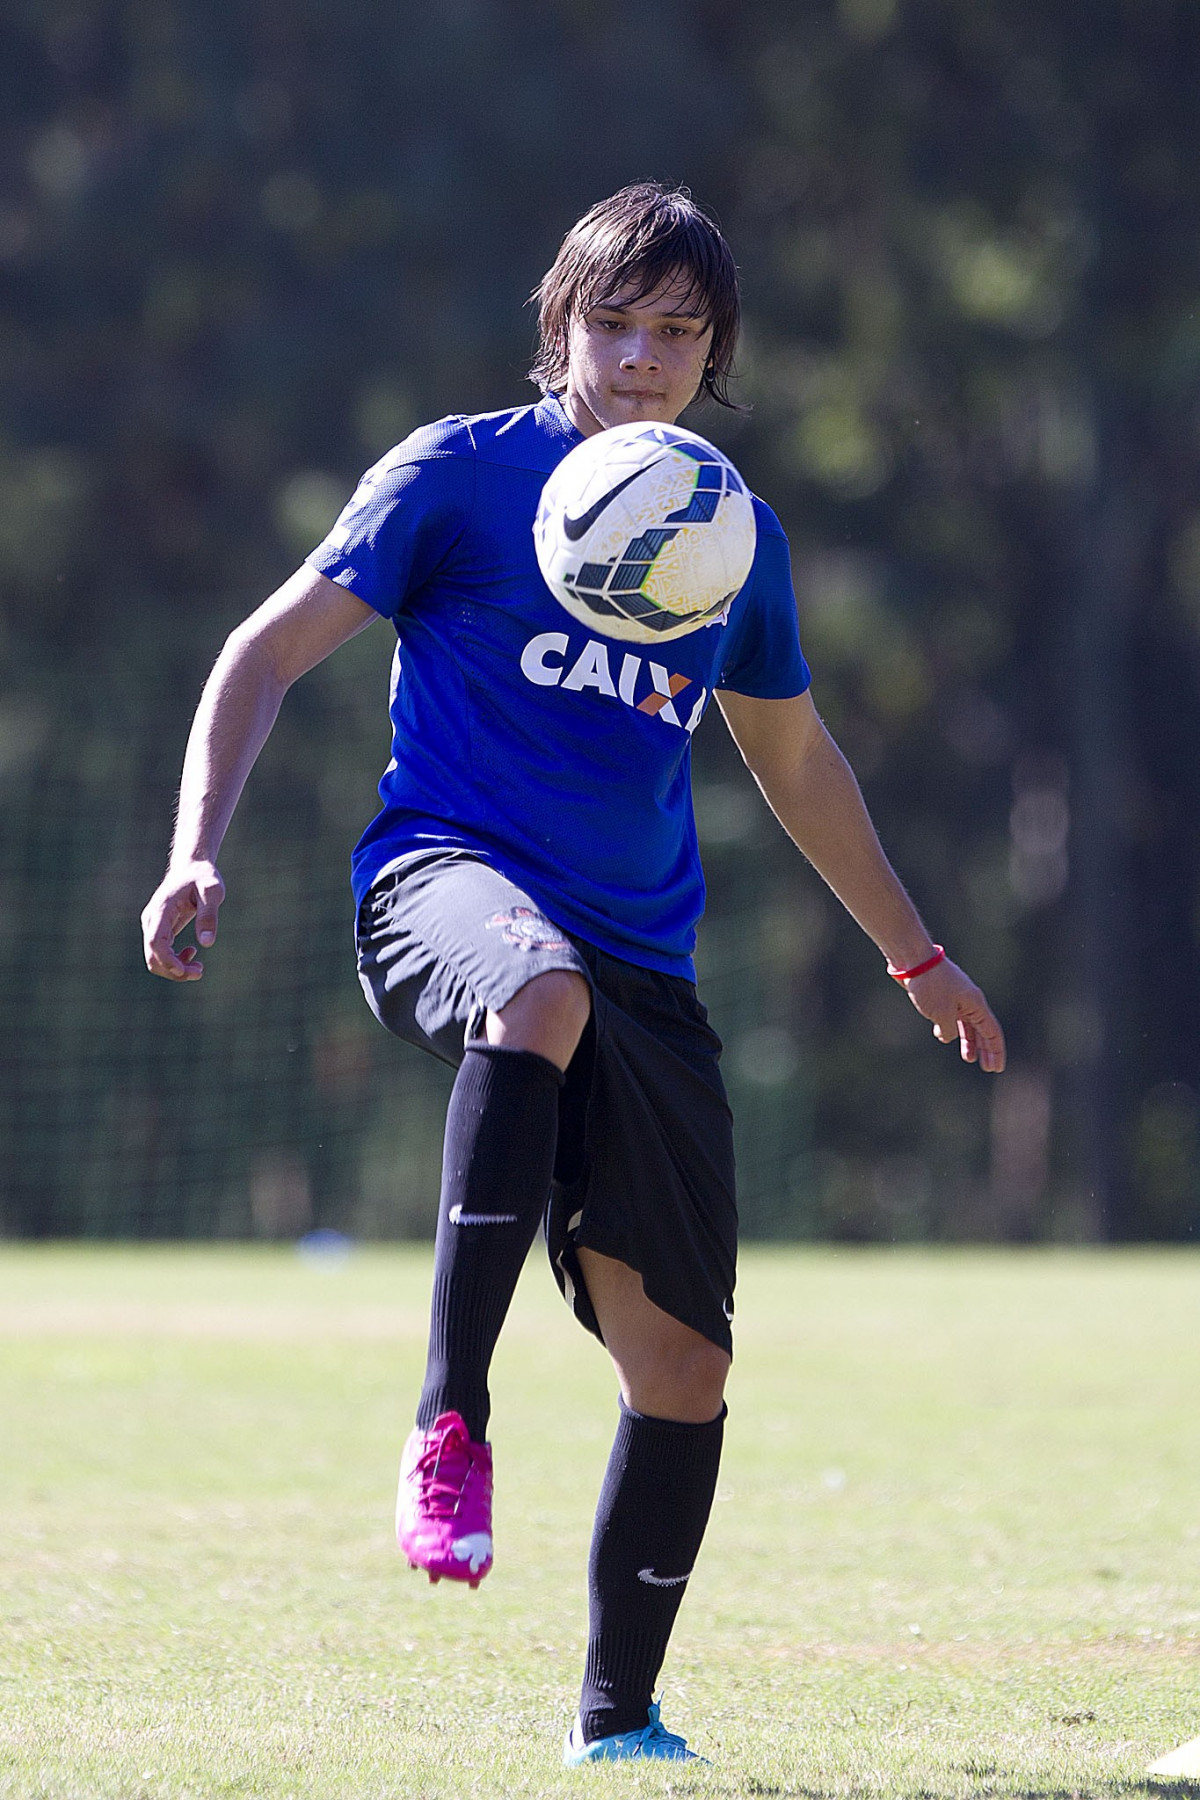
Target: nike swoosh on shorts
pixel 575 528
pixel 459 1217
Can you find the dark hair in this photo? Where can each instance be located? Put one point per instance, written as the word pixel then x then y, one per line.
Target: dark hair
pixel 632 244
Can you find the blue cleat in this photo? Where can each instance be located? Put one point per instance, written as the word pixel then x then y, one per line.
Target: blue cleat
pixel 653 1743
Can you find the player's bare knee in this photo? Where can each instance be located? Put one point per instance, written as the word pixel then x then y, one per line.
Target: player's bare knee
pixel 703 1375
pixel 559 1000
pixel 547 1016
pixel 684 1380
pixel 568 997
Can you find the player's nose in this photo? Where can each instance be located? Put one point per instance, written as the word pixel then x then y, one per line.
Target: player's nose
pixel 640 352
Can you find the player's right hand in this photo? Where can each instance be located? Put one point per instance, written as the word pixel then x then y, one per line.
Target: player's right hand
pixel 188 891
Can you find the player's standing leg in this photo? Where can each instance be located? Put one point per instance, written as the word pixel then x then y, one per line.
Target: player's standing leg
pixel 498 1161
pixel 653 1510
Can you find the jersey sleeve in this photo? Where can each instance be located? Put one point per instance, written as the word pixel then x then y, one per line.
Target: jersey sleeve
pixel 403 519
pixel 763 655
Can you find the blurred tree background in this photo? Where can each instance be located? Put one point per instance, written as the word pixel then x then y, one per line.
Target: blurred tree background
pixel 244 250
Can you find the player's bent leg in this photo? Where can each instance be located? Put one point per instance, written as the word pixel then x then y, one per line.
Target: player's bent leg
pixel 501 1132
pixel 653 1509
pixel 547 1017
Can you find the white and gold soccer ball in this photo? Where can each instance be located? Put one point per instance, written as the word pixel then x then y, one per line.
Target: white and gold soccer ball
pixel 645 532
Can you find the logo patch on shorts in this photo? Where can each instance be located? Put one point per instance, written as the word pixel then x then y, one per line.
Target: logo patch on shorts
pixel 525 929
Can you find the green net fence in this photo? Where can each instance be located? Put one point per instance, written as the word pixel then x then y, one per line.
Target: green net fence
pixel 266 1100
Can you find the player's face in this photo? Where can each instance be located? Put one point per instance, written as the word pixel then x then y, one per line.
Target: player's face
pixel 631 360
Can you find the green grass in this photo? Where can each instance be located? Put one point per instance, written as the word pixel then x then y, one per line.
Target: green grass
pixel 956 1548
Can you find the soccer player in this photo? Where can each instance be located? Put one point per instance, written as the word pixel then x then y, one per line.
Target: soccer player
pixel 527 901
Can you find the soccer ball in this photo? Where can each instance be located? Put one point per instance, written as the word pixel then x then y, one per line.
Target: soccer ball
pixel 645 532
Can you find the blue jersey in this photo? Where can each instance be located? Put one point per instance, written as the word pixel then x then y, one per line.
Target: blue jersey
pixel 557 755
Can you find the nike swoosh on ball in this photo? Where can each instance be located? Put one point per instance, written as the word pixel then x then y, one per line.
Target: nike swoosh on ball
pixel 575 528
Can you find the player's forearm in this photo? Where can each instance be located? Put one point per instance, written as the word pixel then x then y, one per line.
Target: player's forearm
pixel 237 709
pixel 819 804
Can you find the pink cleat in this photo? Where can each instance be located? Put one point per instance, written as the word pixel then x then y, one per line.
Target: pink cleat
pixel 444 1506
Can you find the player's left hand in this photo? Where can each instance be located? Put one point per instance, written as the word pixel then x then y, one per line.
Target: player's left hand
pixel 959 1014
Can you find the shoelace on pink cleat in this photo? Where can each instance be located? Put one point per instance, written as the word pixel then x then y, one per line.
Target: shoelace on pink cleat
pixel 443 1471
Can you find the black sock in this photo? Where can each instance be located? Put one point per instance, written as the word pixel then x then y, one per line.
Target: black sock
pixel 650 1521
pixel 501 1130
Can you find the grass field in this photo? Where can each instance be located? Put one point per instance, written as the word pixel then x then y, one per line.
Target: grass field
pixel 956 1549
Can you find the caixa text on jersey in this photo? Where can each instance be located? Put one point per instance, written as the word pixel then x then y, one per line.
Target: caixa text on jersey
pixel 547 660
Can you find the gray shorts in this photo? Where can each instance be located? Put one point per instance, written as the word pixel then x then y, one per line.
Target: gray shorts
pixel 644 1168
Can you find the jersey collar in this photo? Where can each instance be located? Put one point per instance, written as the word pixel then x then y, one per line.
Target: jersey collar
pixel 555 417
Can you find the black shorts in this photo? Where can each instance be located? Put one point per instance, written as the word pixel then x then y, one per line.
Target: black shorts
pixel 644 1167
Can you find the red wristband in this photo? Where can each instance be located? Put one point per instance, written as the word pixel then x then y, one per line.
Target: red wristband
pixel 939 955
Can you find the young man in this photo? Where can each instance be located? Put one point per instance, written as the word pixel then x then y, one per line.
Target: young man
pixel 527 898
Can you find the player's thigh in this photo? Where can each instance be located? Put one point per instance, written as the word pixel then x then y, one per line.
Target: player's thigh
pixel 444 940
